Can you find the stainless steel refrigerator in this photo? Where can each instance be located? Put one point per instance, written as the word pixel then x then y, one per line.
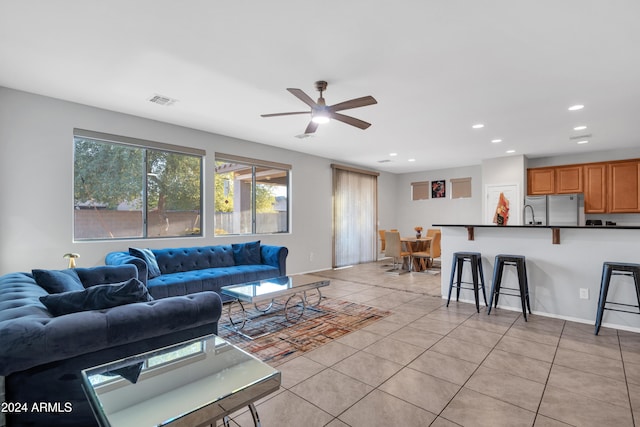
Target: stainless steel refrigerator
pixel 560 210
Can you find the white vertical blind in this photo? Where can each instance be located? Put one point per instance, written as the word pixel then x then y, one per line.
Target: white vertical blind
pixel 355 201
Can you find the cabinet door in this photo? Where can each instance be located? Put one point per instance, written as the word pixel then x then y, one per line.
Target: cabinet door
pixel 569 179
pixel 541 181
pixel 624 191
pixel 595 180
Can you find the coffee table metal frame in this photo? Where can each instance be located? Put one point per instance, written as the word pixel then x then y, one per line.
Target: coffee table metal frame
pixel 267 290
pixel 186 390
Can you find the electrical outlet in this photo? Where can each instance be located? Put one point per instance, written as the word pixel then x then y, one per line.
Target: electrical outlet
pixel 310 256
pixel 584 293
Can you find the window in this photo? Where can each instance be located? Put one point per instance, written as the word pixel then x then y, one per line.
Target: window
pixel 420 190
pixel 460 188
pixel 130 188
pixel 251 196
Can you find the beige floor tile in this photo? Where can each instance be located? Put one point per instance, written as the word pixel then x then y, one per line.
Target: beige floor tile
pixel 382 327
pixel 416 337
pixel 330 353
pixel 610 368
pixel 432 325
pixel 476 336
pixel 537 322
pixel 464 350
pixel 394 350
pixel 286 410
pixel 443 422
pixel 578 410
pixel 527 348
pixel 589 385
pixel 359 339
pixel 518 365
pixel 445 367
pixel 331 391
pixel 506 387
pixel 632 371
pixel 542 421
pixel 368 368
pixel 634 397
pixel 297 370
pixel 379 409
pixel 403 317
pixel 470 408
pixel 337 423
pixel 420 389
pixel 534 334
pixel 487 323
pixel 591 344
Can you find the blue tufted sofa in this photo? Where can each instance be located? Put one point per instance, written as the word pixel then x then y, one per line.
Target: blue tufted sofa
pixel 184 271
pixel 41 355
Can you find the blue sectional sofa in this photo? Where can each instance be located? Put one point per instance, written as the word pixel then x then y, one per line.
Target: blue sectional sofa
pixel 183 271
pixel 41 355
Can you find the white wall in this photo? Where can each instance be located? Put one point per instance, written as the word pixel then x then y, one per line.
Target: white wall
pixel 411 213
pixel 36 179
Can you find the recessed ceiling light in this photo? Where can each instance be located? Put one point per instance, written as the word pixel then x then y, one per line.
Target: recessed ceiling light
pixel 412 160
pixel 510 151
pixel 576 107
pixel 495 141
pixel 478 126
pixel 584 141
pixel 393 154
pixel 579 128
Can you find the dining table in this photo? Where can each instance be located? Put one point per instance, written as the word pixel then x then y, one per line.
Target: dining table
pixel 414 244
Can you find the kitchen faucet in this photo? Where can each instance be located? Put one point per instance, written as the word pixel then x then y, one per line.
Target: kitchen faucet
pixel 533 215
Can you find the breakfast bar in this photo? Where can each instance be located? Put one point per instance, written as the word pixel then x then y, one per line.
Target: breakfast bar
pixel 564 278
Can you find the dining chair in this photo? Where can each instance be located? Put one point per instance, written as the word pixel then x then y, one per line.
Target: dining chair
pixel 382 240
pixel 433 251
pixel 393 249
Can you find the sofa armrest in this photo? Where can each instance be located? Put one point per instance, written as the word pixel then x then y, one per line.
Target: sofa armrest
pixel 34 341
pixel 120 258
pixel 275 256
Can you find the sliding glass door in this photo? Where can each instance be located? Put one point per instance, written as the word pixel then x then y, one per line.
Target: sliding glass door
pixel 355 216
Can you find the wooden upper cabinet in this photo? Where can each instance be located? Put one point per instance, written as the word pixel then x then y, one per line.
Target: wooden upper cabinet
pixel 624 187
pixel 595 188
pixel 541 181
pixel 569 179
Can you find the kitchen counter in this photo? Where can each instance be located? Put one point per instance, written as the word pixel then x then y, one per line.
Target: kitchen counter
pixel 557 273
pixel 555 229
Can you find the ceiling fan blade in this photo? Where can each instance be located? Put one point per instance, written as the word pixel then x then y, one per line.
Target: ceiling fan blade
pixel 350 120
pixel 284 114
pixel 303 97
pixel 354 103
pixel 311 127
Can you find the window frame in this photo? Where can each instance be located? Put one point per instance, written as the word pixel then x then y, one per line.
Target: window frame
pixel 255 164
pixel 147 146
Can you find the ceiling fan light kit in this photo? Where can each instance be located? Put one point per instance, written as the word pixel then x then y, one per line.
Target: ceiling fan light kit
pixel 321 113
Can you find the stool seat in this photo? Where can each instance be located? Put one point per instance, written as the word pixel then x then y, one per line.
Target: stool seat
pixel 610 269
pixel 522 291
pixel 477 275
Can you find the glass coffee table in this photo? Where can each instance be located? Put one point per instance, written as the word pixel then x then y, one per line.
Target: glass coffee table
pixel 193 383
pixel 301 291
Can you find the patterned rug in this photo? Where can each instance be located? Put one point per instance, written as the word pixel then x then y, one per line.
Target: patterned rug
pixel 330 320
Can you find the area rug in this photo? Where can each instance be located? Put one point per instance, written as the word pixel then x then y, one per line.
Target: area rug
pixel 331 319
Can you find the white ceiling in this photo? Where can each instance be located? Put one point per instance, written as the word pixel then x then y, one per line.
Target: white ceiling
pixel 435 67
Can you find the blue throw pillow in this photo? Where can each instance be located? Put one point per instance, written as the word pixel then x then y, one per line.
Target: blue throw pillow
pixel 246 253
pixel 56 281
pixel 149 257
pixel 97 297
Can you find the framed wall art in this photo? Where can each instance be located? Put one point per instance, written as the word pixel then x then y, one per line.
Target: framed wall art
pixel 438 189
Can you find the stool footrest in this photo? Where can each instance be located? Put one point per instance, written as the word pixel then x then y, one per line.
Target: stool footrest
pixel 623 311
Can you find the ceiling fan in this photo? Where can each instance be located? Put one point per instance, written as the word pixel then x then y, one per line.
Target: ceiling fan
pixel 322 113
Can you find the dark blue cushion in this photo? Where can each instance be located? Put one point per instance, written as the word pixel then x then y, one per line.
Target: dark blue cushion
pixel 149 258
pixel 97 297
pixel 246 253
pixel 56 281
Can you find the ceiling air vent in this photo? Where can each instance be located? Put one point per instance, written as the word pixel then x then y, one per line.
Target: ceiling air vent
pixel 384 161
pixel 304 135
pixel 162 100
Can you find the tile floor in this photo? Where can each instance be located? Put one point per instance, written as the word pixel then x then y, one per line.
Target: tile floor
pixel 429 365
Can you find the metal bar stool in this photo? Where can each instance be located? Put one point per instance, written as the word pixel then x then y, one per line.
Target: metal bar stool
pixel 616 269
pixel 475 259
pixel 520 263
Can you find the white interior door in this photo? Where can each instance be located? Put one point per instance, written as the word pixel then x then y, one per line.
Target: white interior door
pixel 511 193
